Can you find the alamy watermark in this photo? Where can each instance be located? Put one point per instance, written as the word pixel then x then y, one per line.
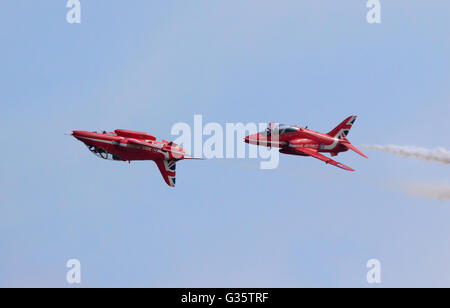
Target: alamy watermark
pixel 374 14
pixel 73 275
pixel 374 274
pixel 74 14
pixel 225 141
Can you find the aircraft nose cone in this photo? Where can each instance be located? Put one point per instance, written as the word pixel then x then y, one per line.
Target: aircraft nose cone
pixel 79 134
pixel 246 139
pixel 76 133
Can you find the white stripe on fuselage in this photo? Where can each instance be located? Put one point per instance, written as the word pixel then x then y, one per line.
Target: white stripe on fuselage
pixel 283 143
pixel 331 146
pixel 271 143
pixel 125 145
pixel 308 145
pixel 316 145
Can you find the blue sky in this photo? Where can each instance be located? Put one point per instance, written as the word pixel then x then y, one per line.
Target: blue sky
pixel 145 65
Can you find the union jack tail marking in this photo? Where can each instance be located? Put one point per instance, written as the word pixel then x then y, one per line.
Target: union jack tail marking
pixel 168 170
pixel 341 131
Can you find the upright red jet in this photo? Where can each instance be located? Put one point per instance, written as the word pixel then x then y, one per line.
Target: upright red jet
pixel 126 145
pixel 296 140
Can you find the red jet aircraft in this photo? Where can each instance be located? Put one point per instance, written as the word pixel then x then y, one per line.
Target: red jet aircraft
pixel 126 145
pixel 296 140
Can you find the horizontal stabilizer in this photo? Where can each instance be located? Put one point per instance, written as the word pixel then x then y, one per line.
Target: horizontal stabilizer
pixel 350 146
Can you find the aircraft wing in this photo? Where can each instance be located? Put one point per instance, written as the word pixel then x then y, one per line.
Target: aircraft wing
pixel 167 169
pixel 315 154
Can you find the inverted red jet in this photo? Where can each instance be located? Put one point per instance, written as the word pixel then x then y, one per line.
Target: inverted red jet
pixel 296 140
pixel 126 145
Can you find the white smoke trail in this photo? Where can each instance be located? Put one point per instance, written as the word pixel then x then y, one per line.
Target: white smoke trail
pixel 439 155
pixel 439 191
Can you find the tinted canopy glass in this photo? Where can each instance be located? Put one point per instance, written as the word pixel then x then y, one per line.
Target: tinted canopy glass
pixel 284 129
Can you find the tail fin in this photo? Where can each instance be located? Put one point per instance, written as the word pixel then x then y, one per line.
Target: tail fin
pixel 167 169
pixel 341 131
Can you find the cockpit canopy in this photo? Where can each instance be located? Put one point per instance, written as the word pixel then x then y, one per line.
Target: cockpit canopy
pixel 280 129
pixel 284 129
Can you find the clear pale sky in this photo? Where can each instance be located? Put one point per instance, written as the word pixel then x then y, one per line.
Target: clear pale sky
pixel 145 65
